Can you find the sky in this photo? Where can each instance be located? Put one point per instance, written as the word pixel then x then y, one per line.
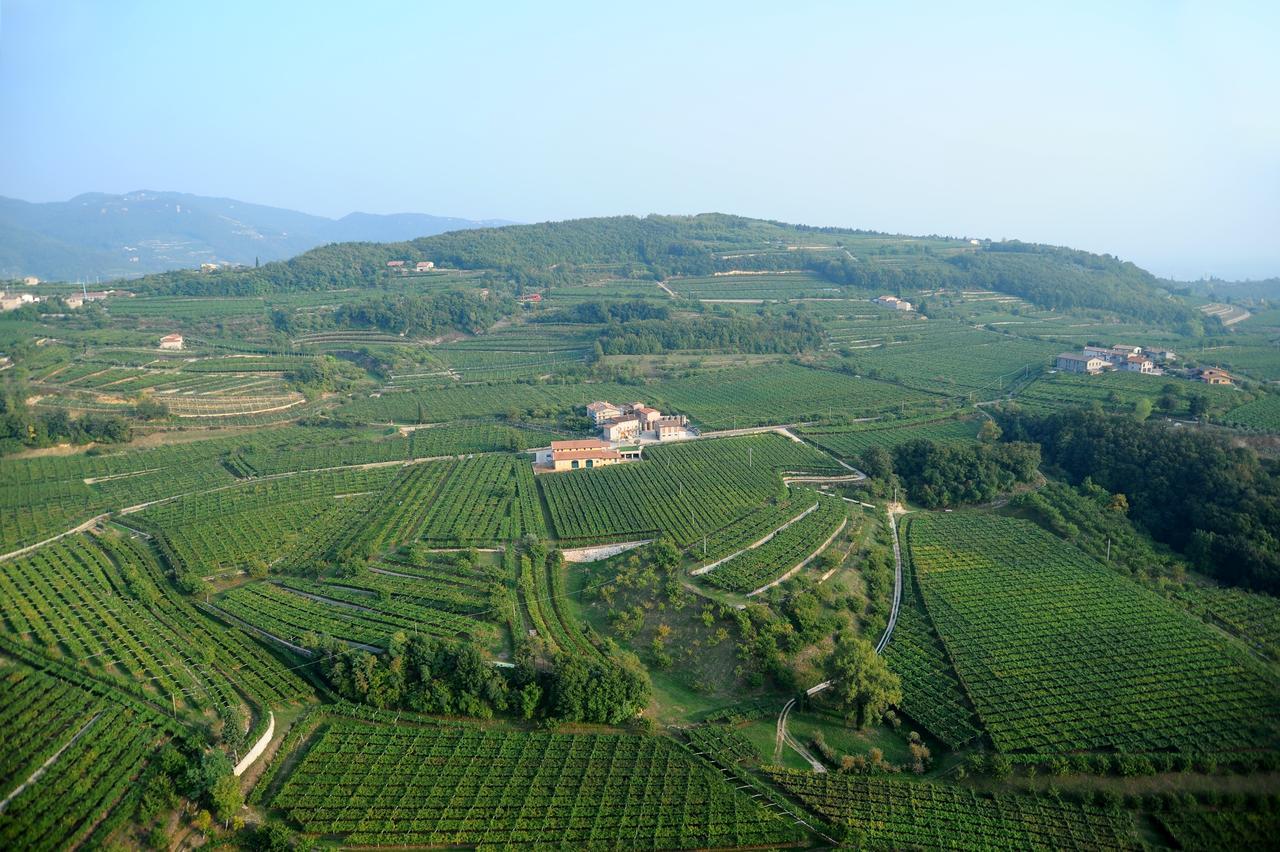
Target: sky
pixel 1150 131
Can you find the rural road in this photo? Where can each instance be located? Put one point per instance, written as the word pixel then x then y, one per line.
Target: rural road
pixel 783 735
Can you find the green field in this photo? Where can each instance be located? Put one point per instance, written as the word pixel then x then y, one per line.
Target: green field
pixel 1057 652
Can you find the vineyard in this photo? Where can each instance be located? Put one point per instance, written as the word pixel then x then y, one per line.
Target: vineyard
pixel 299 607
pixel 931 693
pixel 893 814
pixel 1118 391
pixel 486 499
pixel 683 490
pixel 98 748
pixel 1254 618
pixel 850 442
pixel 257 522
pixel 1263 414
pixel 1057 652
pixel 445 785
pixel 782 393
pixel 789 547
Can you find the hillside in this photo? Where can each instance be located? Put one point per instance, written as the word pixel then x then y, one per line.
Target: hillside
pixel 110 236
pixel 657 247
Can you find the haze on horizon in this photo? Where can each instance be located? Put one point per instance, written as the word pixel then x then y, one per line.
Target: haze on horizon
pixel 1150 131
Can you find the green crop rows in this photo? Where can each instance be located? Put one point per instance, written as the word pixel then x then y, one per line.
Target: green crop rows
pixel 892 814
pixel 789 547
pixel 1057 652
pixel 450 785
pixel 1262 414
pixel 931 693
pixel 101 748
pixel 685 490
pixel 851 442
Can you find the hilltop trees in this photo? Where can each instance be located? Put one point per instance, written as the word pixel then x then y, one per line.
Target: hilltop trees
pixel 864 686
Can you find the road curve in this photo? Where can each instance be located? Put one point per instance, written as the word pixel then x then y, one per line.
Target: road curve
pixel 783 734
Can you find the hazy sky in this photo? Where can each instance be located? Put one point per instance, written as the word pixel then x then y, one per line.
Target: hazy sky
pixel 1150 131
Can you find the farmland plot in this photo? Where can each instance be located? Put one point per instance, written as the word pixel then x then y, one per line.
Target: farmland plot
pixel 893 814
pixel 851 441
pixel 464 785
pixel 753 568
pixel 1057 652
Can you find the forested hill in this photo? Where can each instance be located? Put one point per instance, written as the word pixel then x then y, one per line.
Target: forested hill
pixel 657 247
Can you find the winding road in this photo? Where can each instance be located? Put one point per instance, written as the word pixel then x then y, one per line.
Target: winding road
pixel 783 735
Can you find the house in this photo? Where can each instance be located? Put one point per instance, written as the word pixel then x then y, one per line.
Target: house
pixel 670 428
pixel 893 302
pixel 1138 364
pixel 10 303
pixel 1163 356
pixel 575 455
pixel 1214 376
pixel 395 264
pixel 1071 362
pixel 533 298
pixel 31 281
pixel 424 265
pixel 73 301
pixel 171 341
pixel 620 428
pixel 208 267
pixel 602 411
pixel 1124 350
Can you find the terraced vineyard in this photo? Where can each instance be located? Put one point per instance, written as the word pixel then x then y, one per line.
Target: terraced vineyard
pixel 1057 652
pixel 749 528
pixel 326 610
pixel 790 546
pixel 256 522
pixel 432 784
pixel 893 814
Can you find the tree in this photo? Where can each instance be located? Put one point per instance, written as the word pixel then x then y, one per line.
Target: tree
pixel 226 797
pixel 876 462
pixel 864 686
pixel 1198 405
pixel 1141 408
pixel 989 432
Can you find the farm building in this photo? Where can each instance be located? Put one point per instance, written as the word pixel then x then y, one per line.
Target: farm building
pixel 671 428
pixel 532 298
pixel 424 265
pixel 601 411
pixel 171 341
pixel 1214 376
pixel 395 264
pixel 620 428
pixel 1163 356
pixel 30 281
pixel 893 302
pixel 1103 352
pixel 1071 362
pixel 576 455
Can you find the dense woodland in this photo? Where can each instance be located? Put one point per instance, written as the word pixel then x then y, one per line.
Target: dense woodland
pixel 1218 504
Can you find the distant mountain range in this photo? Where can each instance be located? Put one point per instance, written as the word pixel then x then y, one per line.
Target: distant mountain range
pixel 110 236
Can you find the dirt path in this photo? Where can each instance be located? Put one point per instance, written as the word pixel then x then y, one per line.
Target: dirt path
pixel 662 285
pixel 35 776
pixel 76 529
pixel 601 551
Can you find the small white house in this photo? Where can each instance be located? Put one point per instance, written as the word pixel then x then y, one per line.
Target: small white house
pixel 171 341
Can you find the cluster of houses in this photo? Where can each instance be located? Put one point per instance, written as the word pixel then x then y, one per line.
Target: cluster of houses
pixel 618 424
pixel 1096 359
pixel 895 303
pixel 635 420
pixel 13 301
pixel 1093 360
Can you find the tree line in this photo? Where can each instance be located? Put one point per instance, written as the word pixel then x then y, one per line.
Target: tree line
pixel 1217 504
